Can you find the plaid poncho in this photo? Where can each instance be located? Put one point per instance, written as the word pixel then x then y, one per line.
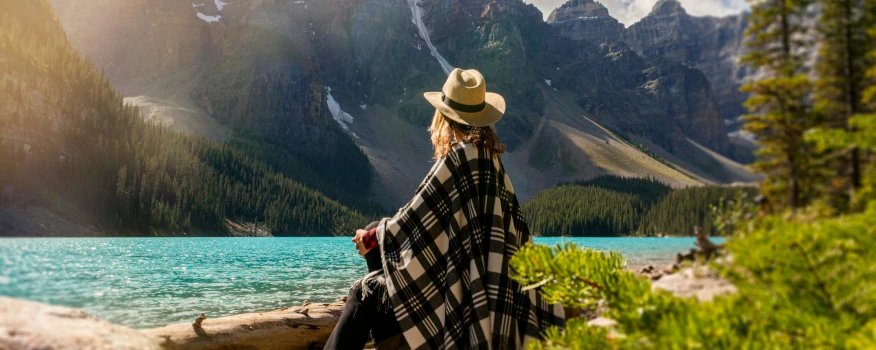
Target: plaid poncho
pixel 446 253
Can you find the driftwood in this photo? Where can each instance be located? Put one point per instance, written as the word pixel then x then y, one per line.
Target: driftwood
pixel 298 327
pixel 26 325
pixel 707 248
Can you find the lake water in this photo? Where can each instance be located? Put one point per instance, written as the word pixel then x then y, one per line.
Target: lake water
pixel 150 282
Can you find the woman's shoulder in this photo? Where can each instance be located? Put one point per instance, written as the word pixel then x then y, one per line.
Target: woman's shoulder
pixel 468 150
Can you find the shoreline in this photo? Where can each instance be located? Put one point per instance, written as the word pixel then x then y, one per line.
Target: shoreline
pixel 31 325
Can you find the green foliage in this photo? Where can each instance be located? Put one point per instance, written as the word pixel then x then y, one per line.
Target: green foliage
pixel 801 285
pixel 347 187
pixel 841 68
pixel 779 103
pixel 606 205
pixel 682 209
pixel 569 275
pixel 612 206
pixel 864 138
pixel 70 144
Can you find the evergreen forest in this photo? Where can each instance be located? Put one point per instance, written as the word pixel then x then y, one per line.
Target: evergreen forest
pixel 617 206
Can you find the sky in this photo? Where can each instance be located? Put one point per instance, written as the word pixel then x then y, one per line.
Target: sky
pixel 630 11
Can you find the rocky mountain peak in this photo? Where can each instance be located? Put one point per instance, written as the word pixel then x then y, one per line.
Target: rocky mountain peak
pixel 667 8
pixel 578 9
pixel 586 20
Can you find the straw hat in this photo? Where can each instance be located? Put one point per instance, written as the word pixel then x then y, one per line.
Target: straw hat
pixel 465 99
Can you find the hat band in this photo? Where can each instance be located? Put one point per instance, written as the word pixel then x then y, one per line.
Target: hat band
pixel 463 107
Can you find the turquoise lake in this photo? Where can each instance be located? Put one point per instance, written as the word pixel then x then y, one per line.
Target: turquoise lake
pixel 150 282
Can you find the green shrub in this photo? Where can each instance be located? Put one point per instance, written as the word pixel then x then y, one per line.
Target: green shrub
pixel 802 284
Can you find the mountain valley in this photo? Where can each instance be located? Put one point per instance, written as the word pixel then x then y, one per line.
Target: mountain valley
pixel 335 86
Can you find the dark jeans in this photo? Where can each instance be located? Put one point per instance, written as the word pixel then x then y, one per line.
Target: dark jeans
pixel 361 317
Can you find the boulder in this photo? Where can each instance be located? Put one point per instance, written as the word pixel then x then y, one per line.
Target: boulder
pixel 698 282
pixel 29 325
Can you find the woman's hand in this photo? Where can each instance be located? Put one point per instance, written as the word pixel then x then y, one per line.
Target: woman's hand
pixel 358 240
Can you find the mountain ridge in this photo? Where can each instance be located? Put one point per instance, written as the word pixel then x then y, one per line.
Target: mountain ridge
pixel 372 56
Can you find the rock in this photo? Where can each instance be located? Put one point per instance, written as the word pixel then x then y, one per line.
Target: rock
pixel 700 282
pixel 29 325
pixel 602 322
pixel 291 328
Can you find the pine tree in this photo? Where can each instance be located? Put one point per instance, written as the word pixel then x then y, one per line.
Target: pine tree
pixel 779 106
pixel 861 132
pixel 843 61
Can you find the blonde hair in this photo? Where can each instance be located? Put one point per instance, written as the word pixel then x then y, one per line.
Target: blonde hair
pixel 446 132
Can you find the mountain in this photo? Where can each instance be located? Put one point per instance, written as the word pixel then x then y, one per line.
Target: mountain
pixel 337 85
pixel 586 20
pixel 712 45
pixel 75 160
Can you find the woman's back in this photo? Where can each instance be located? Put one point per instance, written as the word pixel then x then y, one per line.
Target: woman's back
pixel 446 258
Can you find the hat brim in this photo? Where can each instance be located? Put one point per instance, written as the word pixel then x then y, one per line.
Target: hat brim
pixel 491 114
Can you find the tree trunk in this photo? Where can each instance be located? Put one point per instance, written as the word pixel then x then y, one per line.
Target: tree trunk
pixel 851 95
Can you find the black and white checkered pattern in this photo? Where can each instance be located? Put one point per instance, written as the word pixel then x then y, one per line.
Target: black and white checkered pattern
pixel 446 258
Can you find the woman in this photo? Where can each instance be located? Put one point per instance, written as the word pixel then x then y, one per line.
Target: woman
pixel 442 276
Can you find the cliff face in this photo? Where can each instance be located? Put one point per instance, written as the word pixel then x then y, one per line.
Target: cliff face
pixel 586 20
pixel 699 54
pixel 709 44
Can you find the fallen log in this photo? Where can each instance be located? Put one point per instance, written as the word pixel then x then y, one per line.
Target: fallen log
pixel 298 327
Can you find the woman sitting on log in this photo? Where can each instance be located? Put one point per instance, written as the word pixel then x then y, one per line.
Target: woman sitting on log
pixel 441 274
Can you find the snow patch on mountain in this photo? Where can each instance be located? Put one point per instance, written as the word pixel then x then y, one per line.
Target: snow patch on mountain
pixel 344 119
pixel 220 5
pixel 742 134
pixel 209 19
